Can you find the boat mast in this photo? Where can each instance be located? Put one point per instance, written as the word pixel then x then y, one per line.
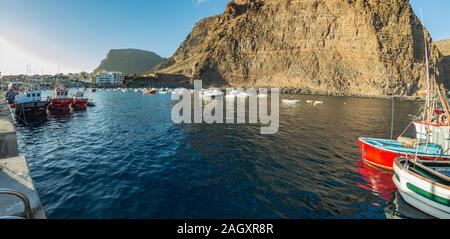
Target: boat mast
pixel 428 108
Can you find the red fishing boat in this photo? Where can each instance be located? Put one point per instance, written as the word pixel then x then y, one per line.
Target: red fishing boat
pixel 150 92
pixel 79 101
pixel 60 100
pixel 432 140
pixel 381 153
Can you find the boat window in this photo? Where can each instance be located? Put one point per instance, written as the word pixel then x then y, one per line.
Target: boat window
pixel 28 95
pixel 38 94
pixel 33 95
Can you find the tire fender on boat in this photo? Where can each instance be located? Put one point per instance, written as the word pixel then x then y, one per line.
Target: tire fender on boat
pixel 443 119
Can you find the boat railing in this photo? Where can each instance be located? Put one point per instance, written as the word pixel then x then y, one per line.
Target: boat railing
pixel 26 202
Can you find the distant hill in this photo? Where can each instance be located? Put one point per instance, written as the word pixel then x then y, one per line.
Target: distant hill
pixel 129 61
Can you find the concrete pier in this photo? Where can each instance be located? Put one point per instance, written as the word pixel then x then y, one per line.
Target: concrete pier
pixel 14 172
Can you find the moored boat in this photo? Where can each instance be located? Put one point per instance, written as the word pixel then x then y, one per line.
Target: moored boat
pixel 381 153
pixel 424 185
pixel 432 140
pixel 150 92
pixel 79 101
pixel 30 104
pixel 60 100
pixel 90 103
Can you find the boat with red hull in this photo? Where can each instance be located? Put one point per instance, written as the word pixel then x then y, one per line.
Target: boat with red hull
pixel 382 153
pixel 432 139
pixel 60 100
pixel 79 101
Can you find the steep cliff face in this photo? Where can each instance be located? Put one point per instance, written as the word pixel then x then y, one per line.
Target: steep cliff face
pixel 444 48
pixel 369 47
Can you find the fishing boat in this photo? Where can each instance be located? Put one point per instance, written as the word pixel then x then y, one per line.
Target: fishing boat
pixel 381 153
pixel 60 100
pixel 150 92
pixel 432 141
pixel 90 103
pixel 30 104
pixel 79 101
pixel 424 185
pixel 290 101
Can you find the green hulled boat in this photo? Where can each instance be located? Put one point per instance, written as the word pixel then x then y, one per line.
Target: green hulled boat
pixel 424 185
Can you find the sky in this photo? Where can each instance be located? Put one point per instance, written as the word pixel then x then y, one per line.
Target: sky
pixel 52 36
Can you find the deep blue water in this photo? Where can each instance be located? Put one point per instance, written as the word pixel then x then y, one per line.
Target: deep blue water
pixel 125 158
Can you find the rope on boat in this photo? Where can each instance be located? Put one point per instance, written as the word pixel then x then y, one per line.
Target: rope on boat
pixel 404 131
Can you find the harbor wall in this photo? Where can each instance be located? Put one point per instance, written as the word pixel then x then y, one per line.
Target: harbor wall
pixel 14 171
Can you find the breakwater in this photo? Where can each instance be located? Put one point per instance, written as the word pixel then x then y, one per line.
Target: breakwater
pixel 18 196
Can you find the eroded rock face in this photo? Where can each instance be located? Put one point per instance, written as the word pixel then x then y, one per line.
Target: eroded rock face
pixel 444 48
pixel 364 47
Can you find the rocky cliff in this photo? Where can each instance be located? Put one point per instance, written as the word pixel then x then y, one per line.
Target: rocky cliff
pixel 361 47
pixel 129 61
pixel 444 48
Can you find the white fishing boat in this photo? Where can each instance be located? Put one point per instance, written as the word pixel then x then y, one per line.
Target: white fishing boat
pixel 317 102
pixel 424 185
pixel 180 91
pixel 30 103
pixel 290 102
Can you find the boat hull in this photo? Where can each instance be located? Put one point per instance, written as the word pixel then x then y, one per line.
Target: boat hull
pixel 429 197
pixel 383 158
pixel 79 104
pixel 60 104
pixel 31 108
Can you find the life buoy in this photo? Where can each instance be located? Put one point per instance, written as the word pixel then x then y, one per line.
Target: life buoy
pixel 443 119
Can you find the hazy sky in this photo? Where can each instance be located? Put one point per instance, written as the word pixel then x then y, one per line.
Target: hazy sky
pixel 75 35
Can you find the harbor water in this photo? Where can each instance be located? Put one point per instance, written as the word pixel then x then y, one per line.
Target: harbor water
pixel 125 158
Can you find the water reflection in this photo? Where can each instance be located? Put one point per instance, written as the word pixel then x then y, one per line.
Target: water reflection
pixel 399 209
pixel 378 182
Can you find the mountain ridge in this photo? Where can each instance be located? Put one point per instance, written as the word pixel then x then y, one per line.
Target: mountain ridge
pixel 129 61
pixel 372 47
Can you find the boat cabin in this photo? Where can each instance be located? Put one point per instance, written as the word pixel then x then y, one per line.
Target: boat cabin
pixel 61 93
pixel 16 86
pixel 28 96
pixel 79 95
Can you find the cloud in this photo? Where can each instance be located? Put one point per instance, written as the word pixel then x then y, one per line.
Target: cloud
pixel 198 2
pixel 14 60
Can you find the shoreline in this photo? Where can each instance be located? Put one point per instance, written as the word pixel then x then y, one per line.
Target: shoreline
pixel 283 90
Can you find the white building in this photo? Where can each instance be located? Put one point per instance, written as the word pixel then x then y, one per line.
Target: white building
pixel 109 78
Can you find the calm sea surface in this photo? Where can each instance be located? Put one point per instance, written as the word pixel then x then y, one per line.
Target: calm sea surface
pixel 125 158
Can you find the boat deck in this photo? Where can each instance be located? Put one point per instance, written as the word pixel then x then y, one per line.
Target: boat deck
pixel 394 145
